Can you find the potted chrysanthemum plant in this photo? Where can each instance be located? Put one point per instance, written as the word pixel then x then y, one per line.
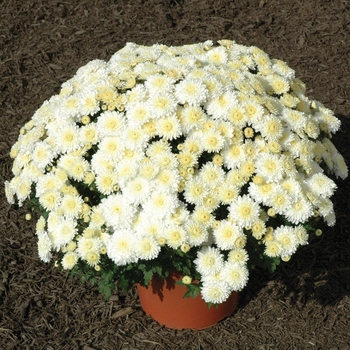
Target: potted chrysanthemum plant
pixel 202 160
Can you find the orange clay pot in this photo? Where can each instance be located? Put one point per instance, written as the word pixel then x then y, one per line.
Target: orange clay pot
pixel 164 302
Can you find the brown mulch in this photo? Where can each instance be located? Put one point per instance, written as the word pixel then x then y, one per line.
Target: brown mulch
pixel 304 305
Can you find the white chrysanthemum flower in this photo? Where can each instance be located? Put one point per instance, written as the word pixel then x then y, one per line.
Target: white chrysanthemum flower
pixel 40 225
pixel 195 190
pixel 270 127
pixel 99 164
pixel 326 117
pixel 340 167
pixel 286 237
pixel 162 105
pixel 273 249
pixel 236 275
pixel 325 206
pixel 89 134
pixel 215 291
pixel 295 120
pixel 110 123
pixel 79 168
pixel 212 141
pixel 211 175
pixel 138 114
pixel 96 218
pixel 282 68
pixel 117 211
pixel 66 231
pixel 236 115
pixel 203 215
pixel 227 192
pixel 175 236
pixel 234 156
pixel 159 83
pixel 196 233
pixel 261 192
pixel 146 248
pixel 192 117
pixel 106 182
pixel 44 247
pixel 253 111
pixel 87 245
pixel 67 138
pixel 321 185
pixel 279 84
pixel 149 226
pixel 69 107
pixel 48 182
pixel 217 55
pixel 112 147
pixel 137 190
pixel 167 180
pixel 165 160
pixel 301 235
pixel 135 138
pixel 148 169
pixel 292 187
pixel 42 155
pixel 88 104
pixel 219 107
pixel 66 161
pixel 168 127
pixel 289 166
pixel 161 204
pixel 50 200
pixel 186 158
pixel 69 260
pixel 226 234
pixel 244 211
pixel 126 170
pixel 269 166
pixel 238 256
pixel 209 261
pixel 53 221
pixel 279 200
pixel 300 211
pixel 121 247
pixel 191 91
pixel 214 86
pixel 92 258
pixel 71 205
pixel 158 147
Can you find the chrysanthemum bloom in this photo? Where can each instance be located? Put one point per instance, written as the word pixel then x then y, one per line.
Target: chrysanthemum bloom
pixel 69 260
pixel 209 261
pixel 215 291
pixel 44 247
pixel 236 275
pixel 203 150
pixel 244 211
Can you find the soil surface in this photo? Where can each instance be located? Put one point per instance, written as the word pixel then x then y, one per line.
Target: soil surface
pixel 304 305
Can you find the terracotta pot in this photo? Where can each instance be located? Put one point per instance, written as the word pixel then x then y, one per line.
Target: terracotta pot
pixel 164 302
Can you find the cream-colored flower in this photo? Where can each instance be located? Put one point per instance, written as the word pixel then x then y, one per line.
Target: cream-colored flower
pixel 226 234
pixel 69 260
pixel 244 210
pixel 215 291
pixel 209 261
pixel 236 275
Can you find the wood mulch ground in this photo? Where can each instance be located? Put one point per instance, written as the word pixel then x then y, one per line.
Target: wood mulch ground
pixel 305 305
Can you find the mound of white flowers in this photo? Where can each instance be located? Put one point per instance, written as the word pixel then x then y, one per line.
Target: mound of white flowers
pixel 199 148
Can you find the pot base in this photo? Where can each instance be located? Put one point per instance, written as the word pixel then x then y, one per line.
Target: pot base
pixel 163 300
